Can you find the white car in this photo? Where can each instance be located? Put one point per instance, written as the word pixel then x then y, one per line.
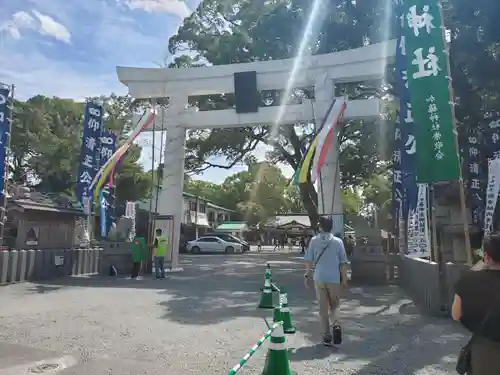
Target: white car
pixel 213 244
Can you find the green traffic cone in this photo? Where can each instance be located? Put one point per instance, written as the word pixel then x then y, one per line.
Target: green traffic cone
pixel 268 272
pixel 266 299
pixel 277 315
pixel 277 362
pixel 288 326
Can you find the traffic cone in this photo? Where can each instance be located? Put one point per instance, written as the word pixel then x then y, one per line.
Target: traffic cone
pixel 268 272
pixel 266 299
pixel 288 326
pixel 277 362
pixel 277 315
pixel 268 275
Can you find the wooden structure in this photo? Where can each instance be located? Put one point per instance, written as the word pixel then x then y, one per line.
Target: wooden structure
pixel 41 221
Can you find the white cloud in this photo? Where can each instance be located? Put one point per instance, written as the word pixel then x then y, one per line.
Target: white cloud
pixel 38 22
pixel 33 74
pixel 50 27
pixel 177 7
pixel 19 21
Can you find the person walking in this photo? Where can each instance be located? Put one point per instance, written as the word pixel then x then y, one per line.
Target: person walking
pixel 302 244
pixel 477 306
pixel 160 248
pixel 326 262
pixel 139 250
pixel 276 244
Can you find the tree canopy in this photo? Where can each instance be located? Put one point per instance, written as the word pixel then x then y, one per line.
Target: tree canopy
pixel 261 192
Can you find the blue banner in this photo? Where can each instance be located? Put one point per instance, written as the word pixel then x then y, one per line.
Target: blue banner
pixel 492 140
pixel 397 181
pixel 475 174
pixel 107 147
pixel 408 157
pixel 89 156
pixel 5 127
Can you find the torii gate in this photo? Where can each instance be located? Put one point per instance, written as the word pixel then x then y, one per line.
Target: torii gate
pixel 321 71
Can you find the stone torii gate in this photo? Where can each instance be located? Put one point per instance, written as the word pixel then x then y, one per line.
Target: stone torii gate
pixel 244 79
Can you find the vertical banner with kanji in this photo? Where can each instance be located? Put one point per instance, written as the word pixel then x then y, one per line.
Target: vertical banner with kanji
pixel 5 128
pixel 492 140
pixel 407 126
pixel 429 90
pixel 397 185
pixel 474 175
pixel 492 191
pixel 107 147
pixel 419 243
pixel 92 128
pixel 130 213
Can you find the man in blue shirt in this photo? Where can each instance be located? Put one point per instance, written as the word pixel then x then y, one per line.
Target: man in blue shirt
pixel 326 262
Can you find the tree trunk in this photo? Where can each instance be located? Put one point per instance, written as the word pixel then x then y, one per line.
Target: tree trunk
pixel 309 198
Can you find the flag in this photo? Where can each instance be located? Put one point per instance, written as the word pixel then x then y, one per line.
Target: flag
pixel 429 89
pixel 89 155
pixel 492 191
pixel 107 194
pixel 302 173
pixel 326 137
pixel 397 182
pixel 305 167
pixel 105 171
pixel 407 169
pixel 5 129
pixel 419 243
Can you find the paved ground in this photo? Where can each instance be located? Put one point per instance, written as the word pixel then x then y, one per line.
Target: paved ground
pixel 203 320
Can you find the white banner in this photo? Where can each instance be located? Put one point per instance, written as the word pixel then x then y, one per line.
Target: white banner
pixel 130 212
pixel 419 244
pixel 492 191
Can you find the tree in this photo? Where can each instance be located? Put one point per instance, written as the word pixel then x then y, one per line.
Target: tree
pixel 225 32
pixel 377 192
pixel 46 141
pixel 474 59
pixel 57 125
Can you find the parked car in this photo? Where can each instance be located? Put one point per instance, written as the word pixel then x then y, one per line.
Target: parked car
pixel 213 244
pixel 231 238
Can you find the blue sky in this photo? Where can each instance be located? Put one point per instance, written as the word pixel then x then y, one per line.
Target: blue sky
pixel 70 49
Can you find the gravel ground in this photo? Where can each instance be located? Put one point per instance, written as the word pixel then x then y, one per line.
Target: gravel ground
pixel 203 320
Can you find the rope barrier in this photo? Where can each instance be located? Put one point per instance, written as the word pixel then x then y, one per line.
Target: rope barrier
pixel 253 349
pixel 275 287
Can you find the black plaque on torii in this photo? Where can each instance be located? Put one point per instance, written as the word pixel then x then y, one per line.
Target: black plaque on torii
pixel 246 95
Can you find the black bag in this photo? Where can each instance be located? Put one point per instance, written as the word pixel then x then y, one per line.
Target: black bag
pixel 463 365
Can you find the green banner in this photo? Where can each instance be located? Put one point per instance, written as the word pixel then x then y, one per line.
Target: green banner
pixel 429 91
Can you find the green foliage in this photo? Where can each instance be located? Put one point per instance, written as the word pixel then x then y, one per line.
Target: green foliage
pixel 351 202
pixel 46 142
pixel 259 193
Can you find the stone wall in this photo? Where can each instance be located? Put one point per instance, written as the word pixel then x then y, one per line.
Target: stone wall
pixel 370 264
pixel 39 265
pixel 117 254
pixel 431 290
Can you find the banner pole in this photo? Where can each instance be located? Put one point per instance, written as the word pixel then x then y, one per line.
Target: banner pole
pixel 432 211
pixel 463 207
pixel 3 212
pixel 151 223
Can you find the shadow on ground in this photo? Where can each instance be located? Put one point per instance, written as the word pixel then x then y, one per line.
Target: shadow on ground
pixel 378 328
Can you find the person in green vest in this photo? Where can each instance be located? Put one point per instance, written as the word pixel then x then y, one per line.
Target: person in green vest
pixel 160 248
pixel 139 249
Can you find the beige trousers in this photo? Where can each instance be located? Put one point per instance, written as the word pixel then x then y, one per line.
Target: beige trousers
pixel 329 298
